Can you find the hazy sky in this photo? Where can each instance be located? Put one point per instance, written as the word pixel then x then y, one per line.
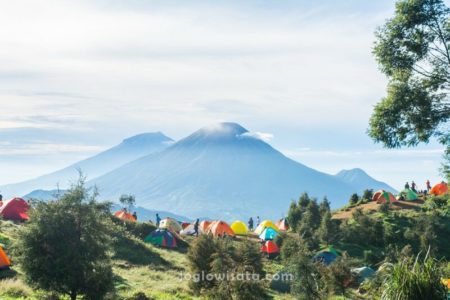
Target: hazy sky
pixel 77 77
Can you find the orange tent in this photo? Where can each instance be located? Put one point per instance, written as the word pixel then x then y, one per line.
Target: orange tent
pixel 203 226
pixel 382 196
pixel 4 260
pixel 125 216
pixel 282 224
pixel 220 228
pixel 439 189
pixel 270 249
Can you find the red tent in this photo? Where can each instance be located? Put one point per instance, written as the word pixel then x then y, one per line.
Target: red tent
pixel 125 216
pixel 15 209
pixel 439 189
pixel 270 249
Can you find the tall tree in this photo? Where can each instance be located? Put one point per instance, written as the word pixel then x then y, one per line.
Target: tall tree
pixel 412 49
pixel 64 248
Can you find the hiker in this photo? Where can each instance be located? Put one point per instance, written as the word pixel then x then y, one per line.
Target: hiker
pixel 158 219
pixel 257 221
pixel 406 186
pixel 413 186
pixel 196 227
pixel 135 216
pixel 428 185
pixel 250 224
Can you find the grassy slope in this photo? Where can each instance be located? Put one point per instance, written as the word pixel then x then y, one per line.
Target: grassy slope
pixel 138 267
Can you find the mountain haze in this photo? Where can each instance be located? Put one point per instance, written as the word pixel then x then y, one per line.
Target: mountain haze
pixel 106 161
pixel 220 171
pixel 360 180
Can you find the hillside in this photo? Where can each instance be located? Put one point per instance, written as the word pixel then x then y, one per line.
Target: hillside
pixel 128 150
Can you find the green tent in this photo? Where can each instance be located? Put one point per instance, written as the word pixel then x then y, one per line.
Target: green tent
pixel 408 194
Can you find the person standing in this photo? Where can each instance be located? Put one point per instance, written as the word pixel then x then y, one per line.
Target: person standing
pixel 158 220
pixel 406 186
pixel 428 185
pixel 196 227
pixel 257 221
pixel 135 216
pixel 250 224
pixel 413 186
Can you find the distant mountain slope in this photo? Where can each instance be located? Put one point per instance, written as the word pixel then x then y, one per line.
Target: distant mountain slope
pixel 220 171
pixel 360 180
pixel 142 213
pixel 129 150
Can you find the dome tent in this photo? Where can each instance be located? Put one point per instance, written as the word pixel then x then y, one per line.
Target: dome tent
pixel 203 226
pixel 408 194
pixel 382 196
pixel 15 209
pixel 188 230
pixel 268 234
pixel 161 238
pixel 4 260
pixel 439 189
pixel 363 273
pixel 125 216
pixel 170 224
pixel 239 228
pixel 270 249
pixel 263 225
pixel 219 229
pixel 282 224
pixel 326 256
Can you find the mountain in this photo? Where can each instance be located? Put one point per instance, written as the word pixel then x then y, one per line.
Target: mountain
pixel 106 161
pixel 142 213
pixel 360 180
pixel 220 171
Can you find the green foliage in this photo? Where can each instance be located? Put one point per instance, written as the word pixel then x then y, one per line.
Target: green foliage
pixel 338 276
pixel 412 49
pixel 354 198
pixel 367 195
pixel 415 279
pixel 384 208
pixel 307 282
pixel 328 230
pixel 64 248
pixel 324 207
pixel 233 268
pixel 127 200
pixel 139 229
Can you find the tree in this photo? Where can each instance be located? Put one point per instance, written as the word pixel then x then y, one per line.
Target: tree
pixel 64 248
pixel 367 194
pixel 307 282
pixel 127 200
pixel 324 206
pixel 412 49
pixel 353 199
pixel 328 229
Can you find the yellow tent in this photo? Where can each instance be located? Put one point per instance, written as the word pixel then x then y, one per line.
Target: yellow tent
pixel 264 224
pixel 239 228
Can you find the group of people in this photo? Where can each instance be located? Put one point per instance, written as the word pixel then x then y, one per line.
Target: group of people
pixel 413 186
pixel 251 223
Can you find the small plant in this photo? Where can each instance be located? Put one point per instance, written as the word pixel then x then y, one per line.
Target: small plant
pixel 14 288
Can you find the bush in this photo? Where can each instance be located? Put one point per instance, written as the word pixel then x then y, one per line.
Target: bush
pixel 14 288
pixel 415 279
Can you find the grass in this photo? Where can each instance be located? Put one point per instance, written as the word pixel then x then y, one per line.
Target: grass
pixel 14 288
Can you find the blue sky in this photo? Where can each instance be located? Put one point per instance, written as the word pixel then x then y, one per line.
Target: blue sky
pixel 77 77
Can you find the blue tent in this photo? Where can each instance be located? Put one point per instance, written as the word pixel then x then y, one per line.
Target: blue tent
pixel 268 234
pixel 325 257
pixel 162 238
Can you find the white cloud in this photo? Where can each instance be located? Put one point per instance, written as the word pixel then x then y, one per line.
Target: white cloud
pixel 264 136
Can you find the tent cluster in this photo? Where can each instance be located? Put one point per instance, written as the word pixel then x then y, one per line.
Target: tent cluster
pixel 15 209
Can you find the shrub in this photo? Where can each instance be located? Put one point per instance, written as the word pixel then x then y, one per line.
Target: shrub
pixel 14 288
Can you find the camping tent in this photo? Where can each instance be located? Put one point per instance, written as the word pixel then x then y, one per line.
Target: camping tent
pixel 326 256
pixel 170 224
pixel 282 224
pixel 268 234
pixel 263 225
pixel 382 196
pixel 363 273
pixel 185 224
pixel 439 189
pixel 189 230
pixel 270 249
pixel 15 209
pixel 125 216
pixel 4 260
pixel 408 194
pixel 220 228
pixel 239 228
pixel 162 238
pixel 203 226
